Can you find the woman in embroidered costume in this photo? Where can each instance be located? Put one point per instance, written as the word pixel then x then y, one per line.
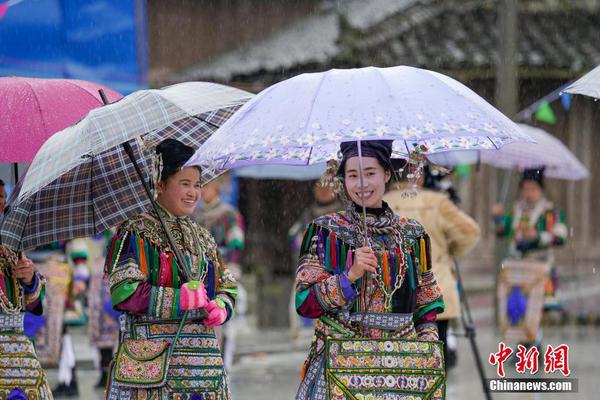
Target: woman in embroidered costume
pixel 374 284
pixel 21 288
pixel 534 228
pixel 165 302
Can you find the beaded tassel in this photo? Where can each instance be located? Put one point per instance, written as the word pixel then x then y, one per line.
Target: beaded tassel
pixel 423 254
pixel 386 269
pixel 142 257
pixel 332 250
pixel 349 261
pixel 327 260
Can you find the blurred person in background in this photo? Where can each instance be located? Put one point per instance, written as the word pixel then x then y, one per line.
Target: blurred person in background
pixel 534 228
pixel 453 234
pixel 103 319
pixel 75 315
pixel 324 202
pixel 226 225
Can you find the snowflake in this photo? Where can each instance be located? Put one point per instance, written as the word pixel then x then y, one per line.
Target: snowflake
pixel 468 128
pixel 490 128
pixel 269 140
pixel 229 149
pixel 284 140
pixel 450 127
pixel 249 143
pixel 305 154
pixel 429 128
pixel 332 136
pixel 271 154
pixel 359 133
pixel 379 119
pixel 280 128
pixel 315 126
pixel 381 130
pixel 346 122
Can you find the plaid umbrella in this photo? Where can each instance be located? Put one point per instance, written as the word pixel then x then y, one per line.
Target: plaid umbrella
pixel 82 182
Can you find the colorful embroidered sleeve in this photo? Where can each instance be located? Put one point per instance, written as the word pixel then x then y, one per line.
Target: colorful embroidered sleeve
pixel 429 296
pixel 141 277
pixel 552 230
pixel 34 294
pixel 504 225
pixel 321 283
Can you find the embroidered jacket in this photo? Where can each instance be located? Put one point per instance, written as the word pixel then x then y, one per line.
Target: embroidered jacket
pixel 323 290
pixel 144 275
pixel 547 221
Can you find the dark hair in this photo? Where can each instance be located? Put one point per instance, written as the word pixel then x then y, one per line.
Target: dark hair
pixel 174 155
pixel 536 175
pixel 378 149
pixel 2 182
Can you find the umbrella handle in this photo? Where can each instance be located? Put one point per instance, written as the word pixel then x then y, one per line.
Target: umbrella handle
pixel 178 255
pixel 362 191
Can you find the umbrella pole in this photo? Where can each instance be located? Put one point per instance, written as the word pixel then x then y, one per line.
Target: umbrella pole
pixel 362 190
pixel 16 172
pixel 178 255
pixel 469 327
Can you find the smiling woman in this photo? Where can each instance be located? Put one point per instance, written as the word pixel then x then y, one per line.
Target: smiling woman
pixel 163 300
pixel 371 284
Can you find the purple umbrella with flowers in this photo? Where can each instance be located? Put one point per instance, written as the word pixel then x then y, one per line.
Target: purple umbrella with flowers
pixel 303 120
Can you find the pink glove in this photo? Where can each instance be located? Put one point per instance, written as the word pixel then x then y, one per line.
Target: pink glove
pixel 217 314
pixel 192 295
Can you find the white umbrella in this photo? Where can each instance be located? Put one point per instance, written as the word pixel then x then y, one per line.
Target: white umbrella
pixel 587 85
pixel 548 152
pixel 302 120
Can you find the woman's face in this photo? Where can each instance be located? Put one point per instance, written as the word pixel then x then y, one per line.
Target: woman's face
pixel 181 192
pixel 531 191
pixel 375 178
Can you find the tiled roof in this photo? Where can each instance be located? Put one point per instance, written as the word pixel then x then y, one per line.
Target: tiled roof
pixel 450 35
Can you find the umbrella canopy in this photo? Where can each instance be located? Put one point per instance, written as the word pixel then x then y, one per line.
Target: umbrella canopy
pixel 82 182
pixel 33 109
pixel 291 172
pixel 303 120
pixel 587 85
pixel 548 152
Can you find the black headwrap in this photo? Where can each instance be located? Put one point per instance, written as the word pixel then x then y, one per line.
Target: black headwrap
pixel 536 175
pixel 174 155
pixel 379 149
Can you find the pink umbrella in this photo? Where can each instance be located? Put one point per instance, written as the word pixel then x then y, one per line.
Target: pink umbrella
pixel 33 109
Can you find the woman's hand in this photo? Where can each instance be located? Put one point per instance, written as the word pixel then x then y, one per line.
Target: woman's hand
pixel 365 260
pixel 192 295
pixel 217 314
pixel 24 270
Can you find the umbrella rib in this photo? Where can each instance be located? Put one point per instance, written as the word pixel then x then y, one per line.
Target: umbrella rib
pixel 70 82
pixel 37 101
pixel 92 194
